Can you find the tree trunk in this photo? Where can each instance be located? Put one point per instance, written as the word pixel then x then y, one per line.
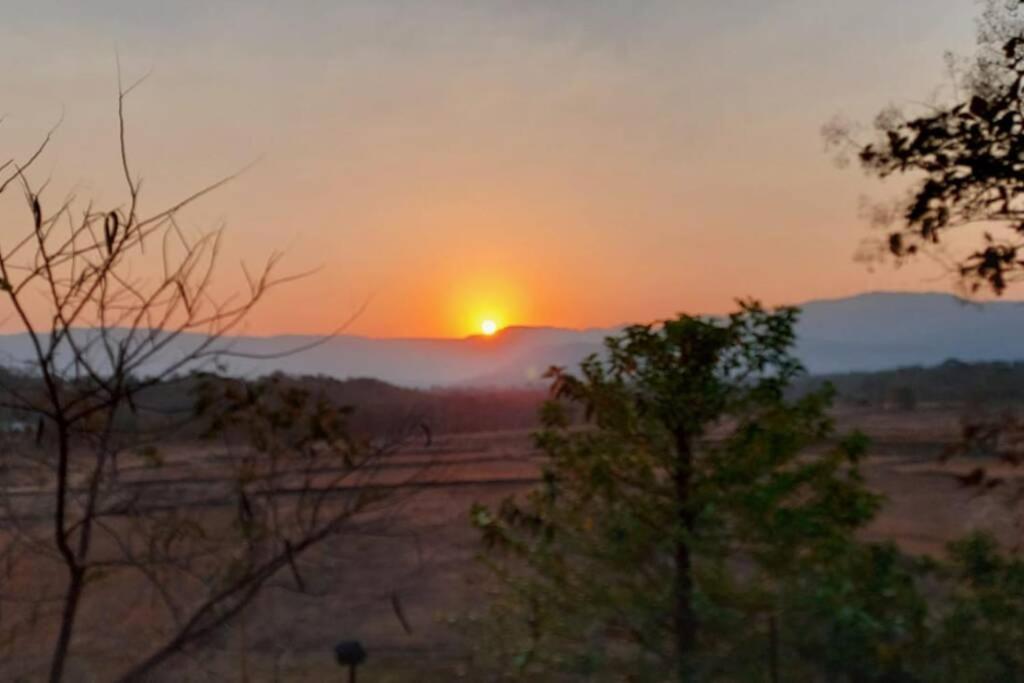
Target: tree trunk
pixel 67 623
pixel 773 648
pixel 685 619
pixel 76 574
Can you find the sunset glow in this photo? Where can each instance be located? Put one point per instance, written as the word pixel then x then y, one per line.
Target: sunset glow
pixel 470 174
pixel 488 327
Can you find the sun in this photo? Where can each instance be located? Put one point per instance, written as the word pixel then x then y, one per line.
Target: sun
pixel 488 327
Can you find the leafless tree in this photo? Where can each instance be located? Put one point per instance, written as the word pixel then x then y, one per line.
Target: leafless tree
pixel 108 340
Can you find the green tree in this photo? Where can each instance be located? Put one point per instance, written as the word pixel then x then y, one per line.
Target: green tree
pixel 978 629
pixel 861 616
pixel 872 614
pixel 665 527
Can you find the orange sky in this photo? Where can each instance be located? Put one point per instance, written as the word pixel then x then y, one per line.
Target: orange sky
pixel 598 163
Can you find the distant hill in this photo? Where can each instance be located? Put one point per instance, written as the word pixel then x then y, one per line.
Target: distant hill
pixel 862 333
pixel 888 330
pixel 515 356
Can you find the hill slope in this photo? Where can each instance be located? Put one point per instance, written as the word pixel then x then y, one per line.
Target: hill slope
pixel 865 332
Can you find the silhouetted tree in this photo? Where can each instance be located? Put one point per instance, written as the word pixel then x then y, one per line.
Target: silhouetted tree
pixel 965 159
pixel 73 524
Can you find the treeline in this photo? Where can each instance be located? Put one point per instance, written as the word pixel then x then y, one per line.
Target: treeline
pixel 375 408
pixel 381 408
pixel 952 382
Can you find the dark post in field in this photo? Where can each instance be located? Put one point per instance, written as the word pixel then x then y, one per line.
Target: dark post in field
pixel 350 653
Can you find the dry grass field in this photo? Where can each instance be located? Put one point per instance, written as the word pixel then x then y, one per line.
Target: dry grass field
pixel 413 559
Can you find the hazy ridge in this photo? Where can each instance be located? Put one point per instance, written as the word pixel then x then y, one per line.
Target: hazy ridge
pixel 871 331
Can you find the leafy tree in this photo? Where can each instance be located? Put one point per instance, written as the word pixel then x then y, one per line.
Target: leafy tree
pixel 611 570
pixel 965 159
pixel 664 528
pixel 859 616
pixel 874 614
pixel 978 629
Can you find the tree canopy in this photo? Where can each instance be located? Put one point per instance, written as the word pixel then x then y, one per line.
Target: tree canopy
pixel 965 159
pixel 660 537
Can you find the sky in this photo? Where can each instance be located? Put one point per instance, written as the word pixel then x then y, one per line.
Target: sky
pixel 577 163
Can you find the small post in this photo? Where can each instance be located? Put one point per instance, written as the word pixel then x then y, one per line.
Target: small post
pixel 773 648
pixel 350 653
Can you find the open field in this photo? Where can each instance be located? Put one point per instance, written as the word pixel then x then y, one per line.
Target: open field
pixel 413 559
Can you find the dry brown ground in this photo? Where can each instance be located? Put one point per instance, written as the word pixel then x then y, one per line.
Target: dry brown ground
pixel 421 552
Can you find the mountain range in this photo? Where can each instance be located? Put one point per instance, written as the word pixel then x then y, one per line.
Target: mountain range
pixel 872 331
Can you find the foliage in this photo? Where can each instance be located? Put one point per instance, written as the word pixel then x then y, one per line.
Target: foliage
pixel 979 623
pixel 860 616
pixel 590 561
pixel 874 614
pixel 585 565
pixel 965 159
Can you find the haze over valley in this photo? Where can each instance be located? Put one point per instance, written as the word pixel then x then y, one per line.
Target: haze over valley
pixel 873 331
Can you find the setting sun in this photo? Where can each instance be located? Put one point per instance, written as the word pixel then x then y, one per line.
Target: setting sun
pixel 488 327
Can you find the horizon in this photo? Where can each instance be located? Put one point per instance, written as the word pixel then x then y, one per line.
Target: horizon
pixel 498 333
pixel 574 167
